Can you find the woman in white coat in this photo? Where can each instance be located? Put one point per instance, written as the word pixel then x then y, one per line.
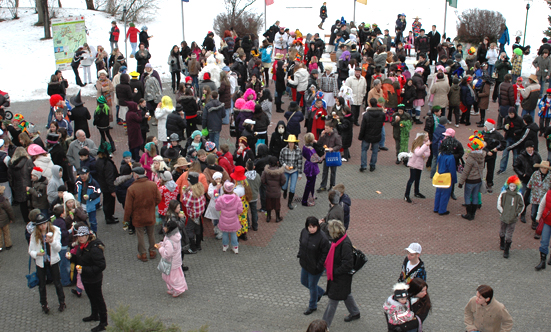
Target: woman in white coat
pixel 44 248
pixel 301 81
pixel 88 58
pixel 164 108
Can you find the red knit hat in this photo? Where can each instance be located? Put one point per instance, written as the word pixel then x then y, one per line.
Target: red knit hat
pixel 188 79
pixel 206 76
pixel 55 99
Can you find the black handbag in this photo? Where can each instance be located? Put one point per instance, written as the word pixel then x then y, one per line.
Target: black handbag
pixel 359 260
pixel 32 278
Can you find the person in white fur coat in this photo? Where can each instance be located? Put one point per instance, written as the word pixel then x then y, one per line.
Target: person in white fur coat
pixel 215 63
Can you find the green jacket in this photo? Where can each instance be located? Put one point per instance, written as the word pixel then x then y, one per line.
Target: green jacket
pixel 510 205
pixel 502 69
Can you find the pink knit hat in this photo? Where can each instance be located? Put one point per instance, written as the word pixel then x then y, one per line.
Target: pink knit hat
pixel 35 150
pixel 239 103
pixel 249 105
pixel 419 70
pixel 228 186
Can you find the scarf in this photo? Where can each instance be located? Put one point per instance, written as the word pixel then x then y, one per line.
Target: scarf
pixel 331 256
pixel 82 246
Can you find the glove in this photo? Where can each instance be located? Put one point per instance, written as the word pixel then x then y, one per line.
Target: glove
pixel 460 186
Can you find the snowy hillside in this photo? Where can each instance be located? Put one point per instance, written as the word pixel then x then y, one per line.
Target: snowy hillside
pixel 32 61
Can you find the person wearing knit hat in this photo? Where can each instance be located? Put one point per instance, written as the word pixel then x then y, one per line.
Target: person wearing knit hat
pixel 509 204
pixel 472 174
pixel 39 190
pixel 524 168
pixel 37 172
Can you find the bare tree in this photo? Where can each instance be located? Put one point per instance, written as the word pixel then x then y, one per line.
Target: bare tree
pixel 136 10
pixel 239 17
pixel 12 6
pixel 47 32
pixel 475 24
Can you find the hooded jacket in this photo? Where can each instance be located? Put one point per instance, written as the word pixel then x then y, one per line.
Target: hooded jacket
pixel 55 247
pixel 474 167
pixel 162 114
pixel 510 204
pixel 524 165
pixel 92 260
pixel 189 105
pixel 54 183
pixel 106 174
pixel 230 208
pixel 273 178
pixel 175 124
pixel 79 215
pixel 277 142
pixel 19 176
pixel 213 114
pixel 133 126
pixel 124 90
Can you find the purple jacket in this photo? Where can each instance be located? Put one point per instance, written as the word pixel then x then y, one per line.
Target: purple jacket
pixel 310 168
pixel 230 208
pixel 417 160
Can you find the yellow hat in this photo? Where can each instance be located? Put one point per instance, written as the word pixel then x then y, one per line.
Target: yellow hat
pixel 291 139
pixel 134 74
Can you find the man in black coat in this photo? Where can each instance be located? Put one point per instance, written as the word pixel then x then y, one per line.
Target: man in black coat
pixel 176 122
pixel 59 158
pixel 494 143
pixel 80 115
pixel 371 133
pixel 106 175
pixel 525 166
pixel 240 68
pixel 270 33
pixel 124 93
pixel 434 37
pixel 142 58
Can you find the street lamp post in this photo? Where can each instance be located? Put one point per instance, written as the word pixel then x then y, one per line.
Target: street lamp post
pixel 124 18
pixel 526 22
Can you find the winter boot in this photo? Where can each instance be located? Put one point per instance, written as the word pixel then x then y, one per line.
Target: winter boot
pixel 278 108
pixel 523 217
pixel 502 242
pixel 102 323
pixel 285 194
pixel 468 215
pixel 534 224
pixel 506 251
pixel 474 207
pixel 541 265
pixel 290 204
pixel 269 216
pixel 278 217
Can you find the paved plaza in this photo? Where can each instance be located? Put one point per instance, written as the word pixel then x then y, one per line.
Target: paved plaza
pixel 259 289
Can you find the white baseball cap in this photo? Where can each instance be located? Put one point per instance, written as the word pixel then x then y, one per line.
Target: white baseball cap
pixel 414 248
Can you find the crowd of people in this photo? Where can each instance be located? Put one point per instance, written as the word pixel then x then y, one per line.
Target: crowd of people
pixel 184 177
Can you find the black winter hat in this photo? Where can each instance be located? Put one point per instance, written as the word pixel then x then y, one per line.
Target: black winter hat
pixel 76 100
pixel 528 144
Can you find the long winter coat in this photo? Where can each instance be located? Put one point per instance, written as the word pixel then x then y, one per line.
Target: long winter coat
pixel 440 90
pixel 313 250
pixel 175 124
pixel 343 262
pixel 80 115
pixel 162 114
pixel 142 198
pixel 153 91
pixel 124 90
pixel 133 126
pixel 230 207
pixel 273 178
pixel 19 175
pixel 473 170
pixel 106 174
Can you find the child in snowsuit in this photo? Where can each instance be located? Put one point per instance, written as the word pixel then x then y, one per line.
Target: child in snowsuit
pixel 510 205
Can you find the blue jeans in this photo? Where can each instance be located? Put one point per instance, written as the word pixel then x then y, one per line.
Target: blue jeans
pixel 134 46
pixel 214 136
pixel 532 113
pixel 64 267
pixel 545 235
pixel 471 193
pixel 383 137
pixel 253 221
pixel 505 156
pixel 490 69
pixel 310 281
pixel 232 235
pixel 374 151
pixel 290 181
pixel 93 221
pixel 441 199
pixel 226 119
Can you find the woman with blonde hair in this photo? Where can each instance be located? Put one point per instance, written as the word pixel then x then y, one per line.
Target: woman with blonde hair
pixel 338 264
pixel 158 167
pixel 420 150
pixel 44 248
pixel 101 59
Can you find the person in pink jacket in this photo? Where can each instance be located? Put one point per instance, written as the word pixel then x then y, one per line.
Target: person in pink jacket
pixel 169 249
pixel 421 151
pixel 147 159
pixel 230 208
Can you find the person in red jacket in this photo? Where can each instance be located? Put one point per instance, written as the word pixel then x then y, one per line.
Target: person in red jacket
pixel 133 34
pixel 114 36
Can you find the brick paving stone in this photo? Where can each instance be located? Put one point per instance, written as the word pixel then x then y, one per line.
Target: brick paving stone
pixel 259 289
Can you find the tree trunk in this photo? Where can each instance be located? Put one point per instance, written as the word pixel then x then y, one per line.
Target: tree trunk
pixel 16 3
pixel 47 32
pixel 90 4
pixel 40 11
pixel 59 3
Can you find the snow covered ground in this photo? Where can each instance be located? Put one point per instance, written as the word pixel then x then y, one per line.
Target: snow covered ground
pixel 28 62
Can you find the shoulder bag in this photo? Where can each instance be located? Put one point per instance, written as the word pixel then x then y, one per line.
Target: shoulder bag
pixel 359 260
pixel 165 265
pixel 32 278
pixel 484 186
pixel 441 180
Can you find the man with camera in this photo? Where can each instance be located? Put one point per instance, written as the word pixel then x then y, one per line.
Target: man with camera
pixel 502 67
